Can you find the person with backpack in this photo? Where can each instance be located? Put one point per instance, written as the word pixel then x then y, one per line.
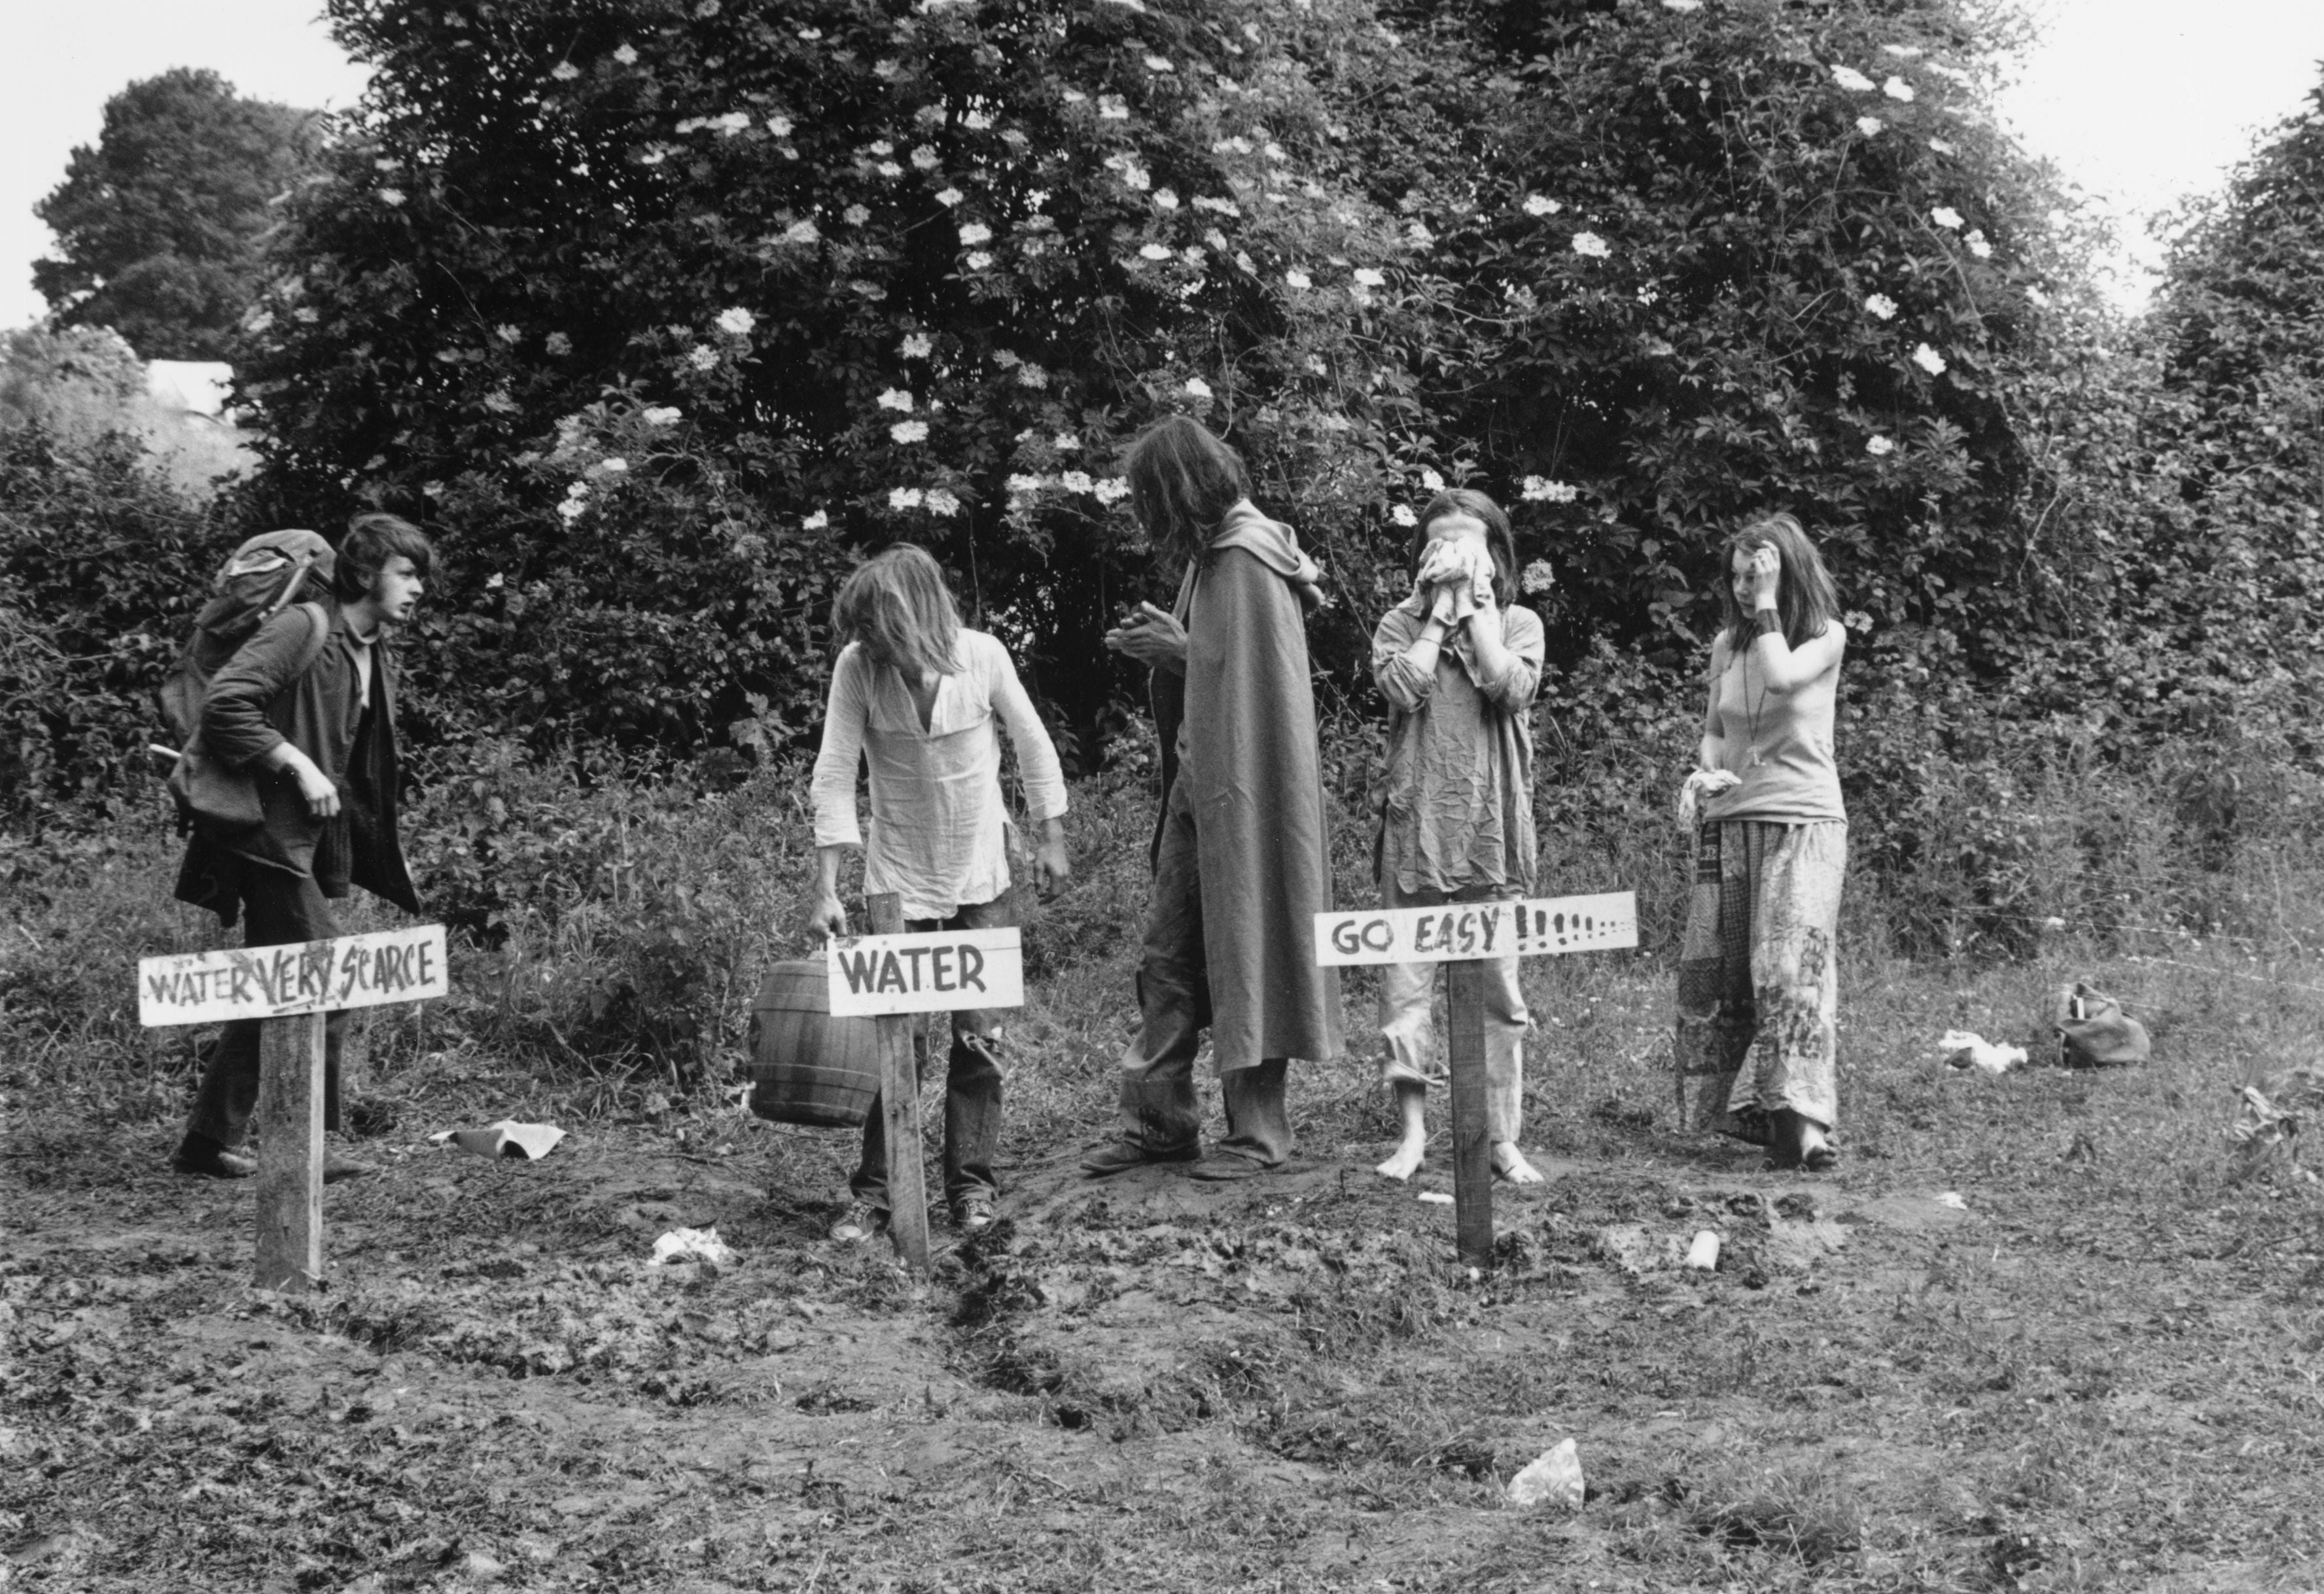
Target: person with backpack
pixel 287 776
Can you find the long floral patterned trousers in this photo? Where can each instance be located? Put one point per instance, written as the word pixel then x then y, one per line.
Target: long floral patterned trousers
pixel 1758 993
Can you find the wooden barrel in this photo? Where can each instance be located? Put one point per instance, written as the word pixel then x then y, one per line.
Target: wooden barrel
pixel 805 1065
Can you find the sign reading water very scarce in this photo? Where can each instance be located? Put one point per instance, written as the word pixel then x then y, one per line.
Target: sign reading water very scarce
pixel 1458 931
pixel 934 972
pixel 305 977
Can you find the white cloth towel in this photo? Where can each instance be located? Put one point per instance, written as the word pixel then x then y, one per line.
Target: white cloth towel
pixel 1455 579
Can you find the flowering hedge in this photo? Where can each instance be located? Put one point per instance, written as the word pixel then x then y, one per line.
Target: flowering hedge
pixel 671 308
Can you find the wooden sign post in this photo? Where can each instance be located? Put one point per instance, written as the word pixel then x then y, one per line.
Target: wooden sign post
pixel 289 989
pixel 895 977
pixel 1468 935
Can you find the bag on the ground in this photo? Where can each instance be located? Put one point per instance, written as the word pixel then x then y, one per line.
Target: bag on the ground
pixel 2092 1031
pixel 265 575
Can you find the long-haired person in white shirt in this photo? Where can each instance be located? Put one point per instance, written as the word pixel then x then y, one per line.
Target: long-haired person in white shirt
pixel 919 696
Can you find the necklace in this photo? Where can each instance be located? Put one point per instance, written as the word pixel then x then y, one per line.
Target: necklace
pixel 1751 710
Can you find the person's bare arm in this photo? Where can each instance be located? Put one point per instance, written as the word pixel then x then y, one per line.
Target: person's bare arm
pixel 1782 669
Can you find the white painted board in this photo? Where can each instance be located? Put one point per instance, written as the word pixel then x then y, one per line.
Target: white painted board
pixel 366 971
pixel 1537 927
pixel 929 972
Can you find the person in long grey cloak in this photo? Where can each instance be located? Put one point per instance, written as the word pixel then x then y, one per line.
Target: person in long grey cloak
pixel 1241 863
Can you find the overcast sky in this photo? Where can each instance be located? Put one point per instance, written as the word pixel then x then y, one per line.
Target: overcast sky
pixel 2140 101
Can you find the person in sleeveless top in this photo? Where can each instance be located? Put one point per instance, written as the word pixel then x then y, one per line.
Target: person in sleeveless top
pixel 1758 989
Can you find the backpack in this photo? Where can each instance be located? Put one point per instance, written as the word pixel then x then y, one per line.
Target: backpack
pixel 259 581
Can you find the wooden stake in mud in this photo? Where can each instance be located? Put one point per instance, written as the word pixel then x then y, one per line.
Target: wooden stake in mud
pixel 1472 1151
pixel 1471 936
pixel 287 989
pixel 900 1101
pixel 289 1153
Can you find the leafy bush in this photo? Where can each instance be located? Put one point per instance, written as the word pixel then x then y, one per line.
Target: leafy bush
pixel 102 562
pixel 669 308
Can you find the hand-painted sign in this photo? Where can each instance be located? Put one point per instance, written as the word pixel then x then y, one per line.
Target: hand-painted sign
pixel 936 972
pixel 305 977
pixel 1458 931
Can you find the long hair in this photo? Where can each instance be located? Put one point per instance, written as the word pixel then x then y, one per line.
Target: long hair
pixel 896 604
pixel 1806 602
pixel 370 540
pixel 1182 481
pixel 1500 541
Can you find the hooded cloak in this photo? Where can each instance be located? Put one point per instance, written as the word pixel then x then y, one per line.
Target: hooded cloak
pixel 1245 746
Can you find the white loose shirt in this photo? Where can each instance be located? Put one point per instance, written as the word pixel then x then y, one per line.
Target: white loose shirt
pixel 938 817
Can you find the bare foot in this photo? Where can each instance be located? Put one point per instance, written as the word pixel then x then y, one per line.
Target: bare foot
pixel 1510 1163
pixel 1412 1146
pixel 1410 1152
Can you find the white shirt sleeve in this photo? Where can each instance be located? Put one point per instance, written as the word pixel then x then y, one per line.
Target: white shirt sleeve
pixel 1036 756
pixel 844 719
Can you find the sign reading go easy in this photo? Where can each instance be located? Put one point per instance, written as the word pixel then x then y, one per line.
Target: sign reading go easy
pixel 935 972
pixel 1459 931
pixel 304 977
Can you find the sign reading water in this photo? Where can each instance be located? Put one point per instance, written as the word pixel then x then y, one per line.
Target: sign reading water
pixel 935 972
pixel 1459 931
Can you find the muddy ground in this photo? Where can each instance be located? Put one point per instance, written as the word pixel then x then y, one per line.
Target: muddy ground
pixel 2099 1370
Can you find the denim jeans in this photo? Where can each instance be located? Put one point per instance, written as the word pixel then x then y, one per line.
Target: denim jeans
pixel 972 1084
pixel 279 908
pixel 1158 1109
pixel 1408 1025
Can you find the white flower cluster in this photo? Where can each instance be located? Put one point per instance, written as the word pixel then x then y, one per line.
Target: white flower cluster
pixel 661 414
pixel 909 431
pixel 1879 447
pixel 937 500
pixel 1109 490
pixel 1929 360
pixel 1541 490
pixel 729 124
pixel 1217 207
pixel 1881 306
pixel 916 346
pixel 895 399
pixel 1590 246
pixel 1538 576
pixel 1854 81
pixel 1541 205
pixel 736 321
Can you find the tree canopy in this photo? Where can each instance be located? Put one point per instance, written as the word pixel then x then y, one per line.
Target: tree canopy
pixel 158 223
pixel 671 308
